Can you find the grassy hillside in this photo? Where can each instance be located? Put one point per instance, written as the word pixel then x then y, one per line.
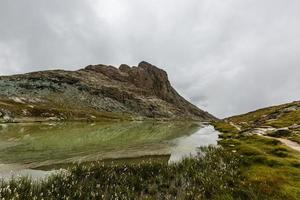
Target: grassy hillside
pixel 17 110
pixel 282 121
pixel 286 116
pixel 266 161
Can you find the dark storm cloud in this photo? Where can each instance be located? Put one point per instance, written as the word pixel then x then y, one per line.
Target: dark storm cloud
pixel 226 56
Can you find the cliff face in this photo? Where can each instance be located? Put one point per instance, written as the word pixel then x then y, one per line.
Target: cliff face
pixel 96 92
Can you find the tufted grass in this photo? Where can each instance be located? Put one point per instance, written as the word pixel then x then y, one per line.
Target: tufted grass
pixel 214 174
pixel 267 165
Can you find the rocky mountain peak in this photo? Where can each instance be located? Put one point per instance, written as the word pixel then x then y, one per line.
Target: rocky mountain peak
pixel 144 76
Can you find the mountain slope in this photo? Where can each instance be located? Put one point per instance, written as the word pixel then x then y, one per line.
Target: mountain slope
pixel 97 92
pixel 278 116
pixel 277 121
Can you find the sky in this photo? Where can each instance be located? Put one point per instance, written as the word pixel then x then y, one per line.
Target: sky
pixel 226 56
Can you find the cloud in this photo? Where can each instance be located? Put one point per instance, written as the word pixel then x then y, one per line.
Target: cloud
pixel 227 57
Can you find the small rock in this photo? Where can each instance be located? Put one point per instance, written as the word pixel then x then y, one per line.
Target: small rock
pixel 295 126
pixel 25 112
pixel 7 118
pixel 290 109
pixel 53 119
pixel 17 99
pixel 283 129
pixel 282 132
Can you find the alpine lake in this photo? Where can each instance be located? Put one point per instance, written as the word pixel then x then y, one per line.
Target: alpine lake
pixel 39 149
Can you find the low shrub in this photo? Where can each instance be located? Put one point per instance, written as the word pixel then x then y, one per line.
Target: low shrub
pixel 214 173
pixel 280 152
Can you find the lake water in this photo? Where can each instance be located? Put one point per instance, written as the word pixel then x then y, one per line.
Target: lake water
pixel 25 148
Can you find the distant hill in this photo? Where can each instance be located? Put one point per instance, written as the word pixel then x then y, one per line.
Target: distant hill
pixel 97 92
pixel 279 116
pixel 281 121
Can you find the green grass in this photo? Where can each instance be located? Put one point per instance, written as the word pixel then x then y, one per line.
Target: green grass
pixel 213 174
pixel 247 120
pixel 42 111
pixel 287 119
pixel 276 116
pixel 228 131
pixel 272 167
pixel 225 127
pixel 295 136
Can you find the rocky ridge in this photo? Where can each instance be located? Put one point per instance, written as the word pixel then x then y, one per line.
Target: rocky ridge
pixel 97 92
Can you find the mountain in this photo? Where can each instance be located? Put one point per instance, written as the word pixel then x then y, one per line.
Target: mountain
pixel 96 93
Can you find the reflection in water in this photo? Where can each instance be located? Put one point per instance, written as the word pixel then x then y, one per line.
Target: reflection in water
pixel 7 171
pixel 28 146
pixel 188 145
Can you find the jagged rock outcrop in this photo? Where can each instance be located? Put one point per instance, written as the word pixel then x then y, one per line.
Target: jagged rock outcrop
pixel 96 92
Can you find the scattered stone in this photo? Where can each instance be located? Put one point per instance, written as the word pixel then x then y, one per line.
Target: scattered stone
pixel 282 132
pixel 53 119
pixel 283 129
pixel 25 112
pixel 7 118
pixel 295 126
pixel 290 109
pixel 17 99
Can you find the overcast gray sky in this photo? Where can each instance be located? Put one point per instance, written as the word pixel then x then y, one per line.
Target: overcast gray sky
pixel 226 56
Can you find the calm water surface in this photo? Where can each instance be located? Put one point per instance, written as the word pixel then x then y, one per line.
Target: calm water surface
pixel 26 147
